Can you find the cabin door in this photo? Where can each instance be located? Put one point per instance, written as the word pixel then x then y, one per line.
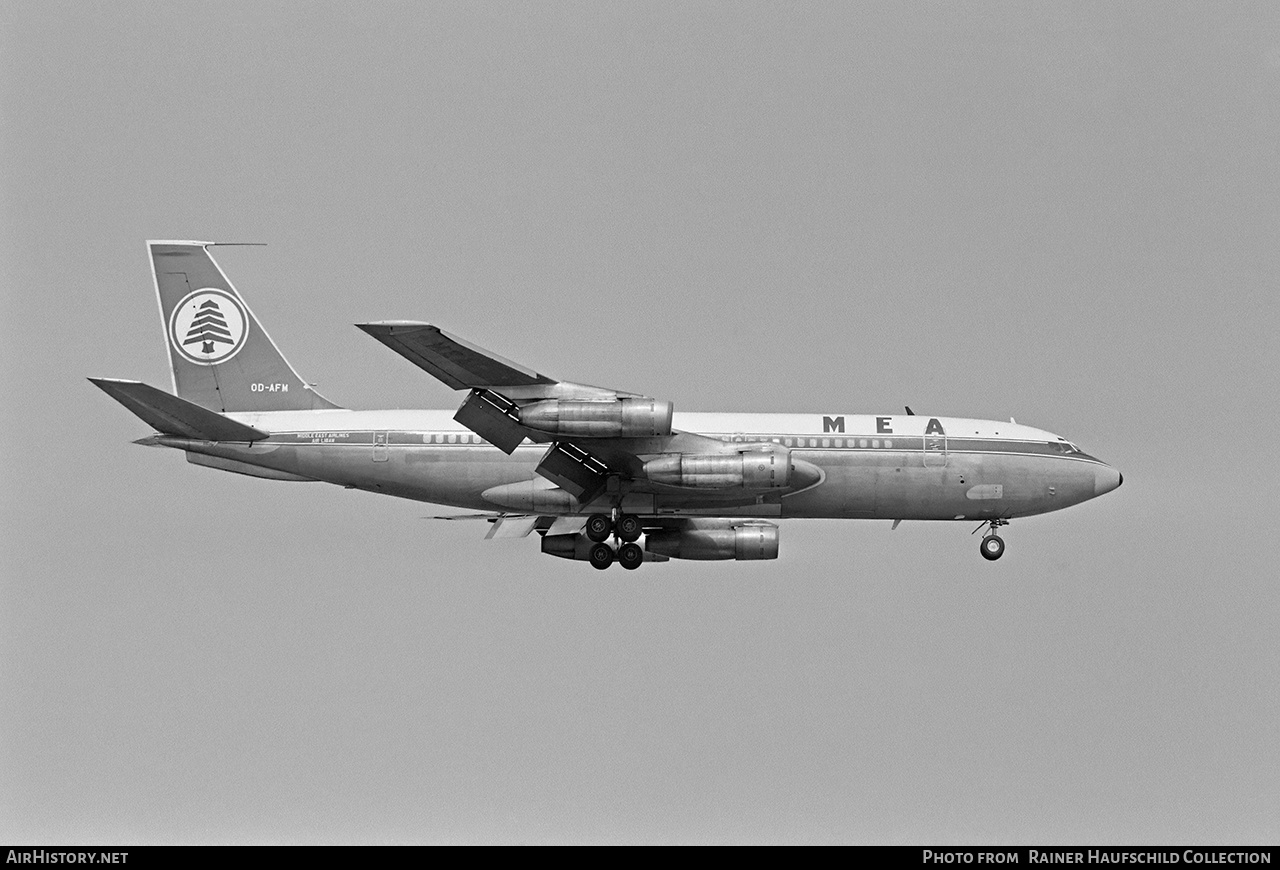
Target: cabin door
pixel 379 446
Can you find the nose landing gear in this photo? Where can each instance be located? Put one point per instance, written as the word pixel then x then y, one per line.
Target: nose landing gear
pixel 992 546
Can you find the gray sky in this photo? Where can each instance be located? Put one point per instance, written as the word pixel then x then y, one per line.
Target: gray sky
pixel 1066 213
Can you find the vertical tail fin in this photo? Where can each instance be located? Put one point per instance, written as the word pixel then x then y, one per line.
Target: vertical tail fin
pixel 221 356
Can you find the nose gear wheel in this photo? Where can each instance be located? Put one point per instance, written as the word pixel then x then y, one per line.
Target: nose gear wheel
pixel 992 546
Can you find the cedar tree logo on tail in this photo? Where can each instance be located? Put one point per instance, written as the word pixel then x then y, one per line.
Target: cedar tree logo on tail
pixel 208 327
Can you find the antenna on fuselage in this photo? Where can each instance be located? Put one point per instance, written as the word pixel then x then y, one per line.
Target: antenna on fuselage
pixel 910 413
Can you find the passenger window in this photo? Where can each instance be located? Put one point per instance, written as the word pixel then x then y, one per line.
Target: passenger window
pixel 862 443
pixel 875 442
pixel 826 442
pixel 888 445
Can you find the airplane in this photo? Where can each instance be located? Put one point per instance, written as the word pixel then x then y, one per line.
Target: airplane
pixel 601 475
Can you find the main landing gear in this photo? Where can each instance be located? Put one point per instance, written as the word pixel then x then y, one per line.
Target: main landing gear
pixel 627 528
pixel 598 528
pixel 992 546
pixel 630 556
pixel 601 556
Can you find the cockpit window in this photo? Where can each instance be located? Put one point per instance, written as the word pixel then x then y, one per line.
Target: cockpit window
pixel 1066 446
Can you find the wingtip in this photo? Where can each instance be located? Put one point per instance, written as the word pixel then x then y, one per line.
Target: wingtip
pixel 393 327
pixel 105 383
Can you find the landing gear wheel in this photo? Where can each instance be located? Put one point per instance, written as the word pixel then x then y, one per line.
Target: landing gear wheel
pixel 598 527
pixel 601 556
pixel 630 556
pixel 992 547
pixel 629 527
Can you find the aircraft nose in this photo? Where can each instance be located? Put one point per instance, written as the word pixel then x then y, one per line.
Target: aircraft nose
pixel 1106 479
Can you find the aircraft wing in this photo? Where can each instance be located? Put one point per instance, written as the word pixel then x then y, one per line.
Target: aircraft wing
pixel 595 435
pixel 459 364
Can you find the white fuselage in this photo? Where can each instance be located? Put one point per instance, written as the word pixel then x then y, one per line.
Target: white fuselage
pixel 889 466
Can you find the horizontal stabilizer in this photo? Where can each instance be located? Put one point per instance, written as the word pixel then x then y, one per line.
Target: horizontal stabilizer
pixel 459 364
pixel 173 416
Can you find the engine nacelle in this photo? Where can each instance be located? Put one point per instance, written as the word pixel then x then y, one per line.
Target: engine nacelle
pixel 577 546
pixel 618 418
pixel 757 469
pixel 535 496
pixel 745 542
pixel 572 546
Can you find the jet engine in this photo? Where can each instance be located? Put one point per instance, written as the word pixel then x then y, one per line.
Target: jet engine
pixel 757 469
pixel 616 418
pixel 703 540
pixel 577 546
pixel 748 541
